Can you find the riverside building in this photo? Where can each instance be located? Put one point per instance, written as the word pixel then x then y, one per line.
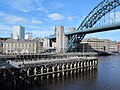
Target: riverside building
pixel 100 44
pixel 118 46
pixel 22 46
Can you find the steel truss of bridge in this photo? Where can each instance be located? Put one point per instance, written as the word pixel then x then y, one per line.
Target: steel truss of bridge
pixel 86 27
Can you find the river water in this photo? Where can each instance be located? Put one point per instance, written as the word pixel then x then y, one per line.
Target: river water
pixel 106 77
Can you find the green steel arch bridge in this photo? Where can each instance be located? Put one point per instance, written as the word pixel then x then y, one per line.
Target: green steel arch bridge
pixel 87 25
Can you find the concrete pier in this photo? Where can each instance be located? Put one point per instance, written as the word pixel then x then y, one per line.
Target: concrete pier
pixel 31 70
pixel 54 66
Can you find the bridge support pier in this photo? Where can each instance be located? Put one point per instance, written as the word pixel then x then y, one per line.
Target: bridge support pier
pixel 42 71
pixel 63 69
pixel 48 72
pixel 53 70
pixel 58 67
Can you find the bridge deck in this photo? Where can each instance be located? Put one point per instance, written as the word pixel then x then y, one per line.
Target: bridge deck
pixel 92 30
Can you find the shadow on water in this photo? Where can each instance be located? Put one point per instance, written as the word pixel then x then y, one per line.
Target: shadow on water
pixel 74 80
pixel 106 77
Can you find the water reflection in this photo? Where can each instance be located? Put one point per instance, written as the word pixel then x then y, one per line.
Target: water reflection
pixel 74 81
pixel 70 81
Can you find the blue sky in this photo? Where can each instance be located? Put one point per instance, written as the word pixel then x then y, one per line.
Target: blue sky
pixel 40 16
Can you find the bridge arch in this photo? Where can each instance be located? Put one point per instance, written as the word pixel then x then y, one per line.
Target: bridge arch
pixel 98 12
pixel 91 19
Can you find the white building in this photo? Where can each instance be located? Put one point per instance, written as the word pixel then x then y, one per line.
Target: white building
pixel 28 36
pixel 21 46
pixel 46 43
pixel 18 32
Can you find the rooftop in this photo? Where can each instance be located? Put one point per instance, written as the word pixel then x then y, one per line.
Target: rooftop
pixel 20 41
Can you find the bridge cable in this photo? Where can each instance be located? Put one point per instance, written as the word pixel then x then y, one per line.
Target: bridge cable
pixel 104 20
pixel 115 14
pixel 110 19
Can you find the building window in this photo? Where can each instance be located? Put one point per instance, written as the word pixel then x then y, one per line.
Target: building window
pixel 18 45
pixel 26 44
pixel 15 45
pixel 29 45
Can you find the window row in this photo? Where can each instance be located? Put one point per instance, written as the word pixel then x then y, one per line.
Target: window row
pixel 18 45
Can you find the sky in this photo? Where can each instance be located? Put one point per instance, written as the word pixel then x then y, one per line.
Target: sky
pixel 41 16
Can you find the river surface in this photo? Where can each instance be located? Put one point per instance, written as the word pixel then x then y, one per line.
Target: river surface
pixel 106 77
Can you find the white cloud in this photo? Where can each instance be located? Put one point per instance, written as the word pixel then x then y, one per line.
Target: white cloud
pixel 30 9
pixel 11 19
pixel 28 5
pixel 14 19
pixel 34 21
pixel 70 18
pixel 24 10
pixel 21 4
pixel 42 33
pixel 4 29
pixel 55 16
